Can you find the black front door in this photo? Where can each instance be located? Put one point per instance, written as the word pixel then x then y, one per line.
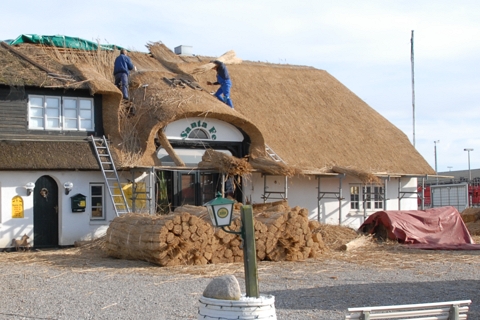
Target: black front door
pixel 45 212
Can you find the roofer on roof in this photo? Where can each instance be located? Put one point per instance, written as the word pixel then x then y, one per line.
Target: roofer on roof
pixel 121 70
pixel 223 79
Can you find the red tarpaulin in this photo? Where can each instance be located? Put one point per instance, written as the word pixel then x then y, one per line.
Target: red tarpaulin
pixel 438 228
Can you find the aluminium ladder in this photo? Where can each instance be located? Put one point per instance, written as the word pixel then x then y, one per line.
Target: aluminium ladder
pixel 110 175
pixel 275 157
pixel 271 194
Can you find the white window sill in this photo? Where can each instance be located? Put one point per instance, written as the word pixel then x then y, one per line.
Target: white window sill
pixel 98 222
pixel 360 213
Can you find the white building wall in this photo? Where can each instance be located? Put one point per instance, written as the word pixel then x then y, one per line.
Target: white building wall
pixel 303 192
pixel 72 226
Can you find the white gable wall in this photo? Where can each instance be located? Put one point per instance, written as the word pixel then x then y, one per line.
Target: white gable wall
pixel 72 226
pixel 303 192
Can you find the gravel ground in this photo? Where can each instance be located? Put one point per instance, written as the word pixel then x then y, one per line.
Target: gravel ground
pixel 78 283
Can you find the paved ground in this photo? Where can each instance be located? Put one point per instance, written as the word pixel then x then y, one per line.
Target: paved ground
pixel 82 283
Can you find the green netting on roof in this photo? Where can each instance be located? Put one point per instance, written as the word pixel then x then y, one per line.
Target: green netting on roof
pixel 63 42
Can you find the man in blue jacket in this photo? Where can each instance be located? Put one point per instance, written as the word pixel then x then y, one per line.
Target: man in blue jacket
pixel 121 70
pixel 223 79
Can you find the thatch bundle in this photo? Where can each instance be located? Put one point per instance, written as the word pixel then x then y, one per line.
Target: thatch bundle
pixel 166 240
pixel 187 236
pixel 471 217
pixel 331 236
pixel 473 228
pixel 270 166
pixel 225 163
pixel 227 58
pixel 365 177
pixel 285 235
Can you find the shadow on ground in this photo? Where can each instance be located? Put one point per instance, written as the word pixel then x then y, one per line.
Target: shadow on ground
pixel 342 297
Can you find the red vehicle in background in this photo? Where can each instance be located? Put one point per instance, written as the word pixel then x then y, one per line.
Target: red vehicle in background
pixel 427 196
pixel 473 193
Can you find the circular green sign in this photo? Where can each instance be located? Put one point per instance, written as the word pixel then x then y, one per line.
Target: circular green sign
pixel 222 213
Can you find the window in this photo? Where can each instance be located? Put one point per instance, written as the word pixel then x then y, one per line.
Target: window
pixel 199 134
pixel 96 200
pixel 369 197
pixel 378 197
pixel 207 186
pixel 60 113
pixel 354 197
pixel 191 157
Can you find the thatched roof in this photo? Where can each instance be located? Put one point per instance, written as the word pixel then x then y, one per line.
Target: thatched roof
pixel 305 115
pixel 18 72
pixel 312 121
pixel 47 155
pixel 159 104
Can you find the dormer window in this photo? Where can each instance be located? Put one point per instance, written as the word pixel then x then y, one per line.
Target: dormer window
pixel 60 113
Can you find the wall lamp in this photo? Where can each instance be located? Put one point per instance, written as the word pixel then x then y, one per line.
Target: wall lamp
pixel 68 187
pixel 29 186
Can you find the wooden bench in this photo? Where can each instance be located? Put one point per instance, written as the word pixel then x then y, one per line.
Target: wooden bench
pixel 450 310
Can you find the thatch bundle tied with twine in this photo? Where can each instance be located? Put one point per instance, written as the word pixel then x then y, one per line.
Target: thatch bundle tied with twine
pixel 225 163
pixel 270 166
pixel 235 166
pixel 365 177
pixel 187 237
pixel 228 58
pixel 165 240
pixel 471 217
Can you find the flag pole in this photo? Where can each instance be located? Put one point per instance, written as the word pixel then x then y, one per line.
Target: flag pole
pixel 413 87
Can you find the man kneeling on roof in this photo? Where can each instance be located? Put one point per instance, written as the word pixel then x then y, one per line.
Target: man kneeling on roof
pixel 122 67
pixel 223 79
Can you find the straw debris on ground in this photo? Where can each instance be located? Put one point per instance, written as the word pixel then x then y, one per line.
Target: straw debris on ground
pixel 93 256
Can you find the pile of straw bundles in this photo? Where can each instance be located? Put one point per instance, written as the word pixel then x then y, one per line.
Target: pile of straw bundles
pixel 187 237
pixel 166 240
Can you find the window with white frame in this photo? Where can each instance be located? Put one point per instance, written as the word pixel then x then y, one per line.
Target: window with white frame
pixel 369 197
pixel 97 191
pixel 60 113
pixel 355 197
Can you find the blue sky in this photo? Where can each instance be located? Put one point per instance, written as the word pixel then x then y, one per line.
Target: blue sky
pixel 364 44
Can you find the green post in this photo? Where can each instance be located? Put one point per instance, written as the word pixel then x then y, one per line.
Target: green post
pixel 249 252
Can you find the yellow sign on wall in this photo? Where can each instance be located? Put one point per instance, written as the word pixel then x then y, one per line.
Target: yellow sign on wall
pixel 140 202
pixel 17 207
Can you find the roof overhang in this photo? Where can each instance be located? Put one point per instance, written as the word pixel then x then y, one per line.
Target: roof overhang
pixel 426 176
